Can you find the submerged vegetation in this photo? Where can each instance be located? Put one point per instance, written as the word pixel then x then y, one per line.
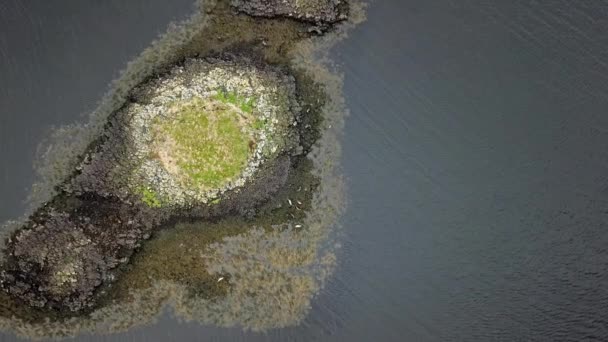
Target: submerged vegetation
pixel 221 156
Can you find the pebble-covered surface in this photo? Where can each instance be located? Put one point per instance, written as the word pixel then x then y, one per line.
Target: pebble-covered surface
pixel 315 11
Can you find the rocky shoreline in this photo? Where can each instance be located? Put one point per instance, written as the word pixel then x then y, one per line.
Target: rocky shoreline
pixel 318 12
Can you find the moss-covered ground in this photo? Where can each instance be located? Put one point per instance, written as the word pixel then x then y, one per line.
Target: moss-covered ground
pixel 150 197
pixel 246 104
pixel 206 143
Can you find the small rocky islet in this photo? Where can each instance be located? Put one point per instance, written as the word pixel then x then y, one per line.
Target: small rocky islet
pixel 195 137
pixel 216 139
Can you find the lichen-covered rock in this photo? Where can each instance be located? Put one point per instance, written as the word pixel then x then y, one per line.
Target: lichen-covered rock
pixel 61 258
pixel 315 11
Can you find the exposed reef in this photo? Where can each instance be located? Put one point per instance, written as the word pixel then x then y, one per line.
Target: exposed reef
pixel 206 180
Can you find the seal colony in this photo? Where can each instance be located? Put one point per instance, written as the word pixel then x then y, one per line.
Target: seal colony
pixel 208 183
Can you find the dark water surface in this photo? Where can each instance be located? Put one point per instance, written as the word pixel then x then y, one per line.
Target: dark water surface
pixel 476 155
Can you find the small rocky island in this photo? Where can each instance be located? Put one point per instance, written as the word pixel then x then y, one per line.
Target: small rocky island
pixel 210 131
pixel 212 146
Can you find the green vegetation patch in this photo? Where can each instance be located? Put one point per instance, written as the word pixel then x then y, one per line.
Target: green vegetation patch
pixel 150 197
pixel 206 143
pixel 246 104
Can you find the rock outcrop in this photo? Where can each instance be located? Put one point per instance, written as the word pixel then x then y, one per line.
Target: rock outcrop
pixel 61 257
pixel 320 12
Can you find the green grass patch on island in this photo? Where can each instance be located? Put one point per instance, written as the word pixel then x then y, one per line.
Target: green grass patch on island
pixel 150 197
pixel 246 104
pixel 258 124
pixel 205 143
